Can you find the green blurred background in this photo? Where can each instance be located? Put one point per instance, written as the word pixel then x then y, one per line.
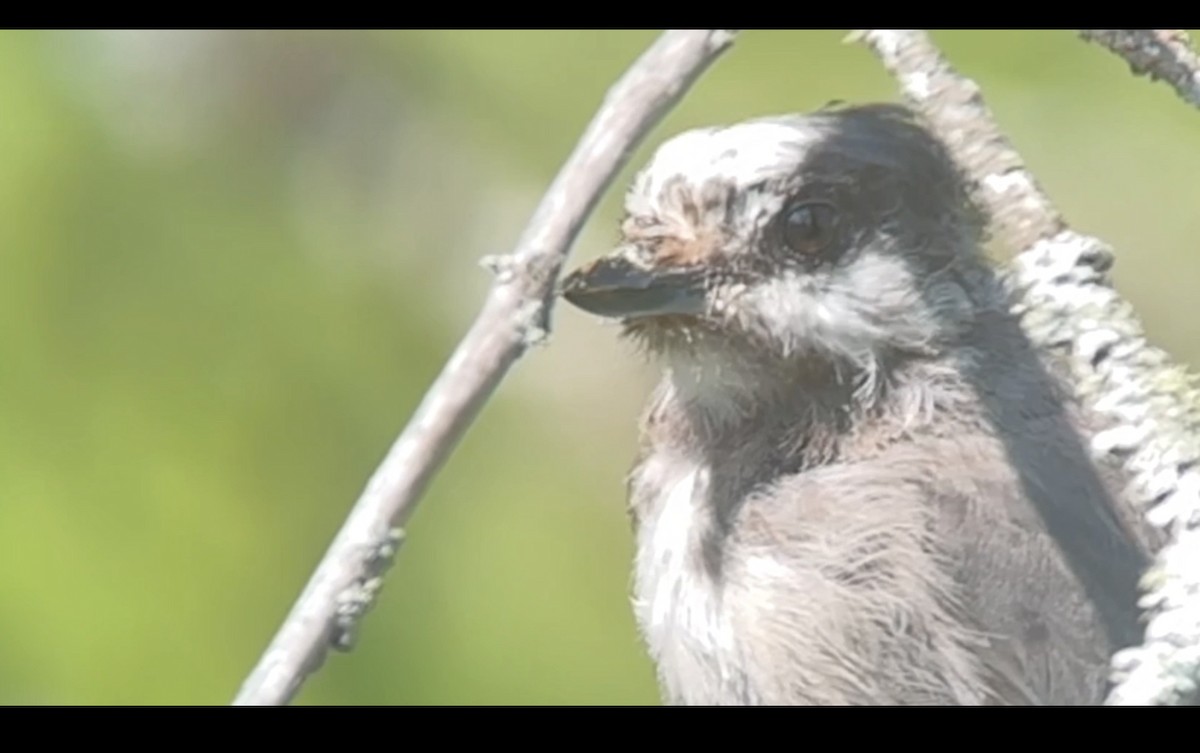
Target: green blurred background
pixel 230 264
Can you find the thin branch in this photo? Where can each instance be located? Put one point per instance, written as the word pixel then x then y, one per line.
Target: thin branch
pixel 515 316
pixel 1161 54
pixel 1067 303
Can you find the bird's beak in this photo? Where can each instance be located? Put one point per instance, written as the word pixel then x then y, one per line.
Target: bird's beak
pixel 615 287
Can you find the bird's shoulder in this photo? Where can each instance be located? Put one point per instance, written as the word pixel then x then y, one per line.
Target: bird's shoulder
pixel 961 559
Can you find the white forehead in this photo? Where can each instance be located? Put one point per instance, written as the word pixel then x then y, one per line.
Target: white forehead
pixel 738 156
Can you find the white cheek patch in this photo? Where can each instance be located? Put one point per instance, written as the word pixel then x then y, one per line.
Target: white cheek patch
pixel 846 312
pixel 790 310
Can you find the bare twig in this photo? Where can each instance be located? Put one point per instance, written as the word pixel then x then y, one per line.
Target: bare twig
pixel 515 316
pixel 1161 54
pixel 1067 303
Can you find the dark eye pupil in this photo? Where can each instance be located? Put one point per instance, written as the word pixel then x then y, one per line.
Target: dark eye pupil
pixel 808 228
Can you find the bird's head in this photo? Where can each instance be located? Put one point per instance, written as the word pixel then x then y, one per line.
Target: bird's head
pixel 840 237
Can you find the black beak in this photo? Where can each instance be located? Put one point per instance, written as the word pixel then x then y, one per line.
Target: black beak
pixel 614 287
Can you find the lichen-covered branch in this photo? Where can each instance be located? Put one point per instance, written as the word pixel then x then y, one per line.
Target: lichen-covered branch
pixel 1067 303
pixel 1162 54
pixel 515 315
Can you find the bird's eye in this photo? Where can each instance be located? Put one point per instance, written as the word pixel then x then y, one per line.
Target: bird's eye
pixel 808 228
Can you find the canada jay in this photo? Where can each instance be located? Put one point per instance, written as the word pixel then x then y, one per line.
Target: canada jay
pixel 858 483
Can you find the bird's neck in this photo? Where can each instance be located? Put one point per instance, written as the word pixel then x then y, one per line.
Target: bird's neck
pixel 798 412
pixel 722 390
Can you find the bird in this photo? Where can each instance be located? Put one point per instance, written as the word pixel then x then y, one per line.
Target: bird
pixel 857 482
